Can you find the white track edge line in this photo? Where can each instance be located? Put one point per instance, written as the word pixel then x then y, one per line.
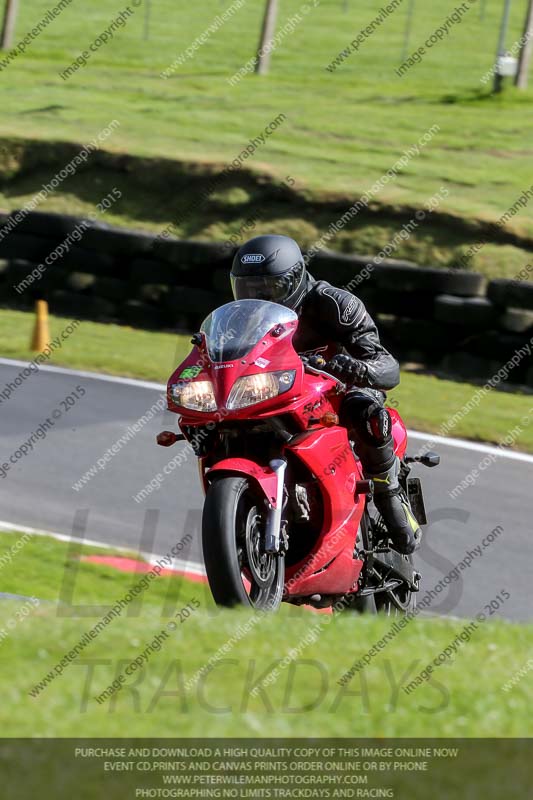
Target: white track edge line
pixel 463 444
pixel 193 567
pixel 98 376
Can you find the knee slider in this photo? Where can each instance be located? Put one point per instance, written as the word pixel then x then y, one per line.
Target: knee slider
pixel 378 424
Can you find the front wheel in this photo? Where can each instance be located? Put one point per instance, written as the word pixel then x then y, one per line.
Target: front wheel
pixel 233 526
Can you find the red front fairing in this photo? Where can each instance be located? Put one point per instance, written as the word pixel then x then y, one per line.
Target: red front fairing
pixel 271 354
pixel 329 567
pixel 399 433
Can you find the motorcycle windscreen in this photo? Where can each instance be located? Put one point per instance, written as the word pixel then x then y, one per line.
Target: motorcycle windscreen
pixel 233 330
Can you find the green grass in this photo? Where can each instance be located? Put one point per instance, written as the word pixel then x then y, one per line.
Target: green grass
pixel 156 194
pixel 343 130
pixel 306 694
pixel 425 402
pixel 113 349
pixel 52 571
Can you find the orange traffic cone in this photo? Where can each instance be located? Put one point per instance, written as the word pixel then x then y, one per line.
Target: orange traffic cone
pixel 41 331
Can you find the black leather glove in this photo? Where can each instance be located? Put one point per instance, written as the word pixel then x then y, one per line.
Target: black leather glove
pixel 349 370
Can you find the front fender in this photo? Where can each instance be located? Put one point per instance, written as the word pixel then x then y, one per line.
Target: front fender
pixel 263 477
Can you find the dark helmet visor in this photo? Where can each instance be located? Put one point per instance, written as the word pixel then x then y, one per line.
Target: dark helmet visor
pixel 276 288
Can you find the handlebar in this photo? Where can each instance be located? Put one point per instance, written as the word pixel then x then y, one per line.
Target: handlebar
pixel 315 361
pixel 316 365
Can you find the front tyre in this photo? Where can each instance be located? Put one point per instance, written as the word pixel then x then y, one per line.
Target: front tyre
pixel 233 533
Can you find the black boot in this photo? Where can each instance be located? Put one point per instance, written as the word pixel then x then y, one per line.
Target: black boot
pixel 401 524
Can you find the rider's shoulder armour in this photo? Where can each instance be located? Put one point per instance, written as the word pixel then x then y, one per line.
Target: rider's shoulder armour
pixel 338 307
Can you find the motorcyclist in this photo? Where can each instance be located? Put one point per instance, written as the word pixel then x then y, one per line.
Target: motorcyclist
pixel 273 268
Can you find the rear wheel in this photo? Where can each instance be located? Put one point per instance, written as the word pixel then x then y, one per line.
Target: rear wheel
pixel 238 569
pixel 400 599
pixel 363 604
pixel 397 600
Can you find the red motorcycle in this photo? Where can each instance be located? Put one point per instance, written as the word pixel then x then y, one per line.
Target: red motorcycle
pixel 288 515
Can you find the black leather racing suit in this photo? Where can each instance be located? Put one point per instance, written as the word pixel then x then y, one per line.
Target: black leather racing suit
pixel 334 321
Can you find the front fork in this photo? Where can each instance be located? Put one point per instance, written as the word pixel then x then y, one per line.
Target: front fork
pixel 273 523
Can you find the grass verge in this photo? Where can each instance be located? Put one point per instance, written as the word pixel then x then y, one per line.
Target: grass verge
pixel 425 402
pixel 305 696
pixel 342 127
pixel 156 194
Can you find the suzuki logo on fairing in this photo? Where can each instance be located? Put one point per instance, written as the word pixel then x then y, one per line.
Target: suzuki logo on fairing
pixel 252 258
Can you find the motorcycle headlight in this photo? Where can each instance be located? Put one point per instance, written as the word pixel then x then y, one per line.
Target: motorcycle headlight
pixel 257 388
pixel 196 395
